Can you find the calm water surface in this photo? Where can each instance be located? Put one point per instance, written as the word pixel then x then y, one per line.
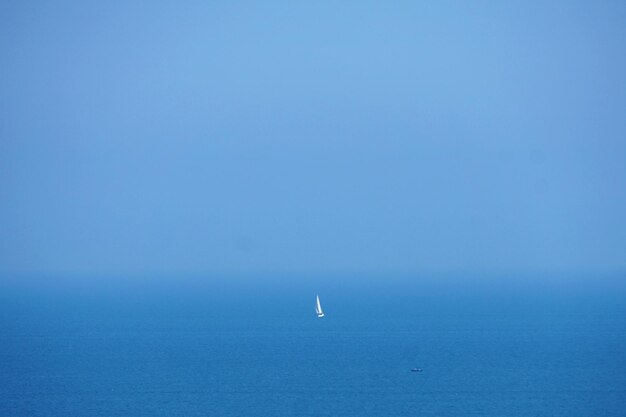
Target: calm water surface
pixel 202 351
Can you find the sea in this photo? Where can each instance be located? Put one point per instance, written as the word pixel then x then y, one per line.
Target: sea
pixel 502 346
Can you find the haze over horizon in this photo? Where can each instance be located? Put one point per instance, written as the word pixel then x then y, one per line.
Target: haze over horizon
pixel 309 138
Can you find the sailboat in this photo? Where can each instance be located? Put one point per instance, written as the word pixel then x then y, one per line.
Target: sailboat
pixel 318 308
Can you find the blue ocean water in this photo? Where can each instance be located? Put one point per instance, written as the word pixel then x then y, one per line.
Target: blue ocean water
pixel 259 350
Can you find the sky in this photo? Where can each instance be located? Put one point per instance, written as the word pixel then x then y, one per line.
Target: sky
pixel 207 138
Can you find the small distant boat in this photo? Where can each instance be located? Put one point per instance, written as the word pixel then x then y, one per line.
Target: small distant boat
pixel 318 308
pixel 416 369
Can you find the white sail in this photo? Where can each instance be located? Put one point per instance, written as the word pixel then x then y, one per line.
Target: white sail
pixel 318 308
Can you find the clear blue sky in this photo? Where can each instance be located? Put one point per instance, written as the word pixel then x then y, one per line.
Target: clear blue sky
pixel 142 138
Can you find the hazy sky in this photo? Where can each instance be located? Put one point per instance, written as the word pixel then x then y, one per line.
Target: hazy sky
pixel 199 137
